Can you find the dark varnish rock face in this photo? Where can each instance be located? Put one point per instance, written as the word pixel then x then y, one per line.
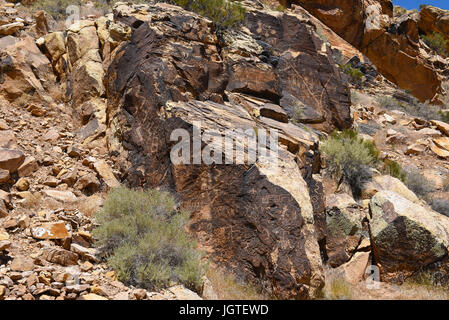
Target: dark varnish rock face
pixel 257 219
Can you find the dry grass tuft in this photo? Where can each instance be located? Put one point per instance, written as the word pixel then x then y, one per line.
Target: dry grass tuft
pixel 228 287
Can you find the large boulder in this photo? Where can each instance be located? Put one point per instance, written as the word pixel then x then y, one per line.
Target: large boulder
pixel 393 46
pixel 434 20
pixel 256 218
pixel 386 182
pixel 405 236
pixel 24 71
pixel 344 228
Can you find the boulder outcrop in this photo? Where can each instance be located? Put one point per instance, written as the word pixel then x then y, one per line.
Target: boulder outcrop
pixel 393 45
pixel 405 236
pixel 176 71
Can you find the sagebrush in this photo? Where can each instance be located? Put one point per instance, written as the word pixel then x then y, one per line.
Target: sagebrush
pixel 416 182
pixel 355 74
pixel 436 42
pixel 142 237
pixel 426 111
pixel 350 158
pixel 441 206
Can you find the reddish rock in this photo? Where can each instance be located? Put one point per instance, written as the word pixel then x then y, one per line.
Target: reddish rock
pixel 51 231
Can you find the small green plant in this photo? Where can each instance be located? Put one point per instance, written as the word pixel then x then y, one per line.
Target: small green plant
pixel 142 236
pixel 321 34
pixel 354 73
pixel 399 11
pixel 350 158
pixel 436 42
pixel 444 116
pixel 223 13
pixel 297 114
pixel 339 289
pixel 393 169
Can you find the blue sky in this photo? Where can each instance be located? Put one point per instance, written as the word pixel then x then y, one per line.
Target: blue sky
pixel 414 4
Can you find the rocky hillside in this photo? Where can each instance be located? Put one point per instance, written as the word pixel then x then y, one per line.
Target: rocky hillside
pixel 88 106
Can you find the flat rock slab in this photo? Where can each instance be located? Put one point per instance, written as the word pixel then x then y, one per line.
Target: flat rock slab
pixel 62 196
pixel 50 231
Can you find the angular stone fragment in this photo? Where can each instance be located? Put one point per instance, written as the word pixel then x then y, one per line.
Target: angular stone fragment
pixel 11 159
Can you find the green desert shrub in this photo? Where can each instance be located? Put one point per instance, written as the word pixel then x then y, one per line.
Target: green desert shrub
pixel 142 237
pixel 436 42
pixel 355 74
pixel 223 13
pixel 444 116
pixel 349 158
pixel 399 11
pixel 426 111
pixel 393 169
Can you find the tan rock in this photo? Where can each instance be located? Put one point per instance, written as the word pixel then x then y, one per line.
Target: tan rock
pixel 91 296
pixel 55 44
pixel 442 126
pixel 36 110
pixel 88 182
pixel 404 235
pixel 22 263
pixel 442 153
pixel 354 270
pixel 4 245
pixel 28 167
pixel 60 256
pixel 415 149
pixel 442 143
pixel 62 196
pixel 386 182
pixel 182 293
pixel 344 228
pixel 121 296
pixel 87 266
pixel 139 294
pixel 3 209
pixel 86 253
pixel 429 132
pixel 8 140
pixel 10 28
pixel 11 223
pixel 44 22
pixel 22 184
pixel 106 174
pixel 4 176
pixel 3 235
